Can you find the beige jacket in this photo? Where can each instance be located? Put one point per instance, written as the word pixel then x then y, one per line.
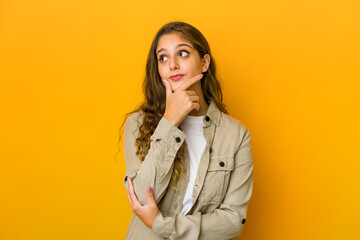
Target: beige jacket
pixel 223 185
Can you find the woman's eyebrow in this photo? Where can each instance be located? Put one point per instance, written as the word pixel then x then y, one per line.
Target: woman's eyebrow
pixel 180 45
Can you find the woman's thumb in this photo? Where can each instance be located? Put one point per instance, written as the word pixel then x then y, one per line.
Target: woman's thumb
pixel 150 196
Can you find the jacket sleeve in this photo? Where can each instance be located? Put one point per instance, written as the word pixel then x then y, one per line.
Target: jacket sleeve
pixel 227 220
pixel 157 167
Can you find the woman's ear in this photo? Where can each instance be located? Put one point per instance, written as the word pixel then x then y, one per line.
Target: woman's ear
pixel 205 63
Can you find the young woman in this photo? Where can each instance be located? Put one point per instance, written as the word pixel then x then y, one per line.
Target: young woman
pixel 189 163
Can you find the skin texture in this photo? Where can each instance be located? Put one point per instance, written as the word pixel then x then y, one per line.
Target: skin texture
pixel 183 97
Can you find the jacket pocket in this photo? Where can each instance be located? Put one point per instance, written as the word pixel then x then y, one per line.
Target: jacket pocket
pixel 216 180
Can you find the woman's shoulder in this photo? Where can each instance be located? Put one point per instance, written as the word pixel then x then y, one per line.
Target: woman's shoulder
pixel 234 132
pixel 230 123
pixel 134 120
pixel 137 115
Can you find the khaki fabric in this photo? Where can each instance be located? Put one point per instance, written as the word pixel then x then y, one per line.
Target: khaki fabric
pixel 223 185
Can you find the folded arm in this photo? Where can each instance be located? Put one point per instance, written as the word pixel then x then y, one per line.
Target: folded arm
pixel 156 169
pixel 225 222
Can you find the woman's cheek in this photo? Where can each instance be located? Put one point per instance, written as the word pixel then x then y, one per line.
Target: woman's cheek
pixel 161 72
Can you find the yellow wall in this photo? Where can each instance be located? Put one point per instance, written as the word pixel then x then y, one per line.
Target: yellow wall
pixel 70 70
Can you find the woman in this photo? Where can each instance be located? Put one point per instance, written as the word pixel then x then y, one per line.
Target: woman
pixel 189 163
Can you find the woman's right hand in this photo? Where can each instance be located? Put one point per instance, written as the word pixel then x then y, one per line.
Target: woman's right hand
pixel 181 102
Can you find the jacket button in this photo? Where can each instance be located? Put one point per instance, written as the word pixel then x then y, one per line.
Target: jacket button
pixel 243 221
pixel 222 164
pixel 210 150
pixel 178 139
pixel 207 118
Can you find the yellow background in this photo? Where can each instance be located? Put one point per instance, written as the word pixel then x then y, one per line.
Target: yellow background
pixel 70 70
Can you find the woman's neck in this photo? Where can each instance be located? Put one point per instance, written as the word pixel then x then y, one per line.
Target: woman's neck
pixel 203 105
pixel 203 108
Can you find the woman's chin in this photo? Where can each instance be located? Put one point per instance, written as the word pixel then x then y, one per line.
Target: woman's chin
pixel 175 86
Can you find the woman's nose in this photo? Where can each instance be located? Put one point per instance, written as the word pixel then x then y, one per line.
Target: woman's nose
pixel 173 64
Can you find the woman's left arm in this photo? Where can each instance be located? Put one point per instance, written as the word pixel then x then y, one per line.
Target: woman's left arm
pixel 225 222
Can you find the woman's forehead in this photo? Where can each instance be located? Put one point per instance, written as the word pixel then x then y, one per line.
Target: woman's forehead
pixel 171 40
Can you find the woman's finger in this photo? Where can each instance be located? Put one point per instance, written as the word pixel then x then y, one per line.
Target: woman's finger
pixel 194 98
pixel 129 198
pixel 130 192
pixel 128 195
pixel 134 201
pixel 150 197
pixel 190 92
pixel 196 106
pixel 187 84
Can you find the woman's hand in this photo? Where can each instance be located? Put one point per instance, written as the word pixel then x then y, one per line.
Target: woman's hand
pixel 146 213
pixel 181 102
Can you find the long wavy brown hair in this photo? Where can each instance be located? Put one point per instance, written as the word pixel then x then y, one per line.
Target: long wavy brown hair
pixel 153 106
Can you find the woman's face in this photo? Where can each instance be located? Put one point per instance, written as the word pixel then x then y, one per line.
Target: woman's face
pixel 177 56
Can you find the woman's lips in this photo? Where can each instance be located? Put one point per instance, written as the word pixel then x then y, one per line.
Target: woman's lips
pixel 176 78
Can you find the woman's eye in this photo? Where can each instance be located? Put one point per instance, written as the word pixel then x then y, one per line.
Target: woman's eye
pixel 161 58
pixel 184 51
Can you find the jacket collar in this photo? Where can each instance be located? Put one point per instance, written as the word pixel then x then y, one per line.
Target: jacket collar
pixel 213 113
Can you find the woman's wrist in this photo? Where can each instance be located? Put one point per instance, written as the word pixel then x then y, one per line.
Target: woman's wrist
pixel 170 120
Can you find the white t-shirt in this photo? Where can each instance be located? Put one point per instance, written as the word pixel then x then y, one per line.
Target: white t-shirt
pixel 192 126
